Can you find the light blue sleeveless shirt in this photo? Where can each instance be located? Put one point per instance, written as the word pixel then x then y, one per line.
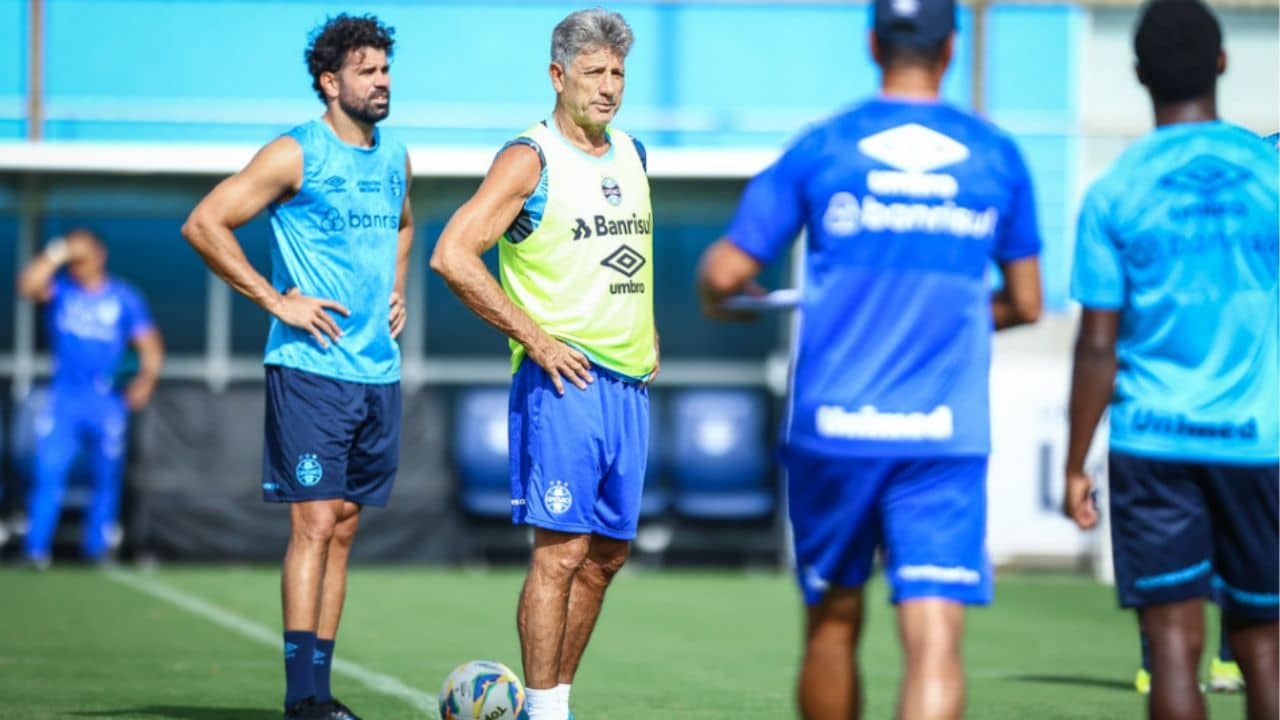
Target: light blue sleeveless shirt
pixel 338 239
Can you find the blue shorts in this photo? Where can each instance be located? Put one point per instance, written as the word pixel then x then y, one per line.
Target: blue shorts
pixel 328 439
pixel 927 515
pixel 578 460
pixel 1183 530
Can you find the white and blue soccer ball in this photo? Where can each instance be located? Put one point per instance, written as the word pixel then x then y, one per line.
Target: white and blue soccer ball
pixel 483 690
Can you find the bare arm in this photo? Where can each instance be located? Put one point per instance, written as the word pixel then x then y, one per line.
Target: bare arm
pixel 472 231
pixel 275 172
pixel 726 270
pixel 150 348
pixel 1092 384
pixel 399 312
pixel 36 279
pixel 1019 302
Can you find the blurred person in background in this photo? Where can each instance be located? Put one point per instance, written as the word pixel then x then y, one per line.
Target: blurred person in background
pixel 1176 264
pixel 567 203
pixel 93 318
pixel 338 193
pixel 906 200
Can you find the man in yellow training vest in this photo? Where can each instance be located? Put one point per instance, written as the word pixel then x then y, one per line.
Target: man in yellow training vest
pixel 567 202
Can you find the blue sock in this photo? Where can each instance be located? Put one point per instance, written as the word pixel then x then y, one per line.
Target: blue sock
pixel 1146 651
pixel 299 653
pixel 1224 647
pixel 321 663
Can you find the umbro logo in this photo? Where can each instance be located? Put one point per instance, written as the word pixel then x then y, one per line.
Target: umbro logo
pixel 624 260
pixel 335 184
pixel 913 148
pixel 1205 174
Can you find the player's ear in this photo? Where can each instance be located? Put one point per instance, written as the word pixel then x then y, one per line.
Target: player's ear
pixel 1222 61
pixel 1137 70
pixel 874 45
pixel 557 76
pixel 329 84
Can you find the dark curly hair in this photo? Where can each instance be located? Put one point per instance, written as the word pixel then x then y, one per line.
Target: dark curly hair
pixel 1177 43
pixel 330 43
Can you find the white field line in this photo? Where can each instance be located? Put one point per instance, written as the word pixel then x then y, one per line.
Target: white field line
pixel 375 681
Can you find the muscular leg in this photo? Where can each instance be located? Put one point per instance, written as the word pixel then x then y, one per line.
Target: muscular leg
pixel 334 587
pixel 829 687
pixel 932 632
pixel 301 583
pixel 605 557
pixel 1257 650
pixel 1176 633
pixel 544 603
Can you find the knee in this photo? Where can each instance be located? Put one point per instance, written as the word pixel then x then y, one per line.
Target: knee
pixel 932 631
pixel 1177 640
pixel 314 530
pixel 835 621
pixel 344 533
pixel 606 562
pixel 561 561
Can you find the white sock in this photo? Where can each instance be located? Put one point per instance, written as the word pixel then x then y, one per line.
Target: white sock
pixel 563 689
pixel 548 704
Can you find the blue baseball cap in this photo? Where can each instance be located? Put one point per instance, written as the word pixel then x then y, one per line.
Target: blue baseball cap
pixel 914 23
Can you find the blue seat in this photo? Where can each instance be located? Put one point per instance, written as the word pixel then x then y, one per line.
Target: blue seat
pixel 718 454
pixel 480 451
pixel 656 499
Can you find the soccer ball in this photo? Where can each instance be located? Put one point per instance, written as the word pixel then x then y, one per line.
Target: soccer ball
pixel 482 690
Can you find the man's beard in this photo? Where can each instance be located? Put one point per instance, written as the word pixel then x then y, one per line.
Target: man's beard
pixel 366 112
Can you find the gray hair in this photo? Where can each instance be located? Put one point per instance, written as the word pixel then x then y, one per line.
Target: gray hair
pixel 588 31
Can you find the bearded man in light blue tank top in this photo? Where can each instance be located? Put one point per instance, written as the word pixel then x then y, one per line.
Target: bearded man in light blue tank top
pixel 337 192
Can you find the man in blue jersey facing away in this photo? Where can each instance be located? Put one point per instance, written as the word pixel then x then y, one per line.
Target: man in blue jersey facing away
pixel 92 318
pixel 1176 264
pixel 338 192
pixel 906 201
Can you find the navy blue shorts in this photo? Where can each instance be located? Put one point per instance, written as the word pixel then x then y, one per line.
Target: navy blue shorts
pixel 1182 530
pixel 928 515
pixel 578 459
pixel 328 439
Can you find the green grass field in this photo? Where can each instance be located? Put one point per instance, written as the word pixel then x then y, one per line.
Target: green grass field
pixel 202 644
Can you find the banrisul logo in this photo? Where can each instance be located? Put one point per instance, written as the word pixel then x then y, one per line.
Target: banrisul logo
pixel 308 471
pixel 602 226
pixel 331 220
pixel 612 193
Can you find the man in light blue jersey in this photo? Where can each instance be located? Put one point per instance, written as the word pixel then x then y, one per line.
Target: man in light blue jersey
pixel 93 317
pixel 338 193
pixel 1176 265
pixel 906 200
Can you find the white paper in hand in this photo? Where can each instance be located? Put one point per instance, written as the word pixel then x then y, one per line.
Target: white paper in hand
pixel 784 299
